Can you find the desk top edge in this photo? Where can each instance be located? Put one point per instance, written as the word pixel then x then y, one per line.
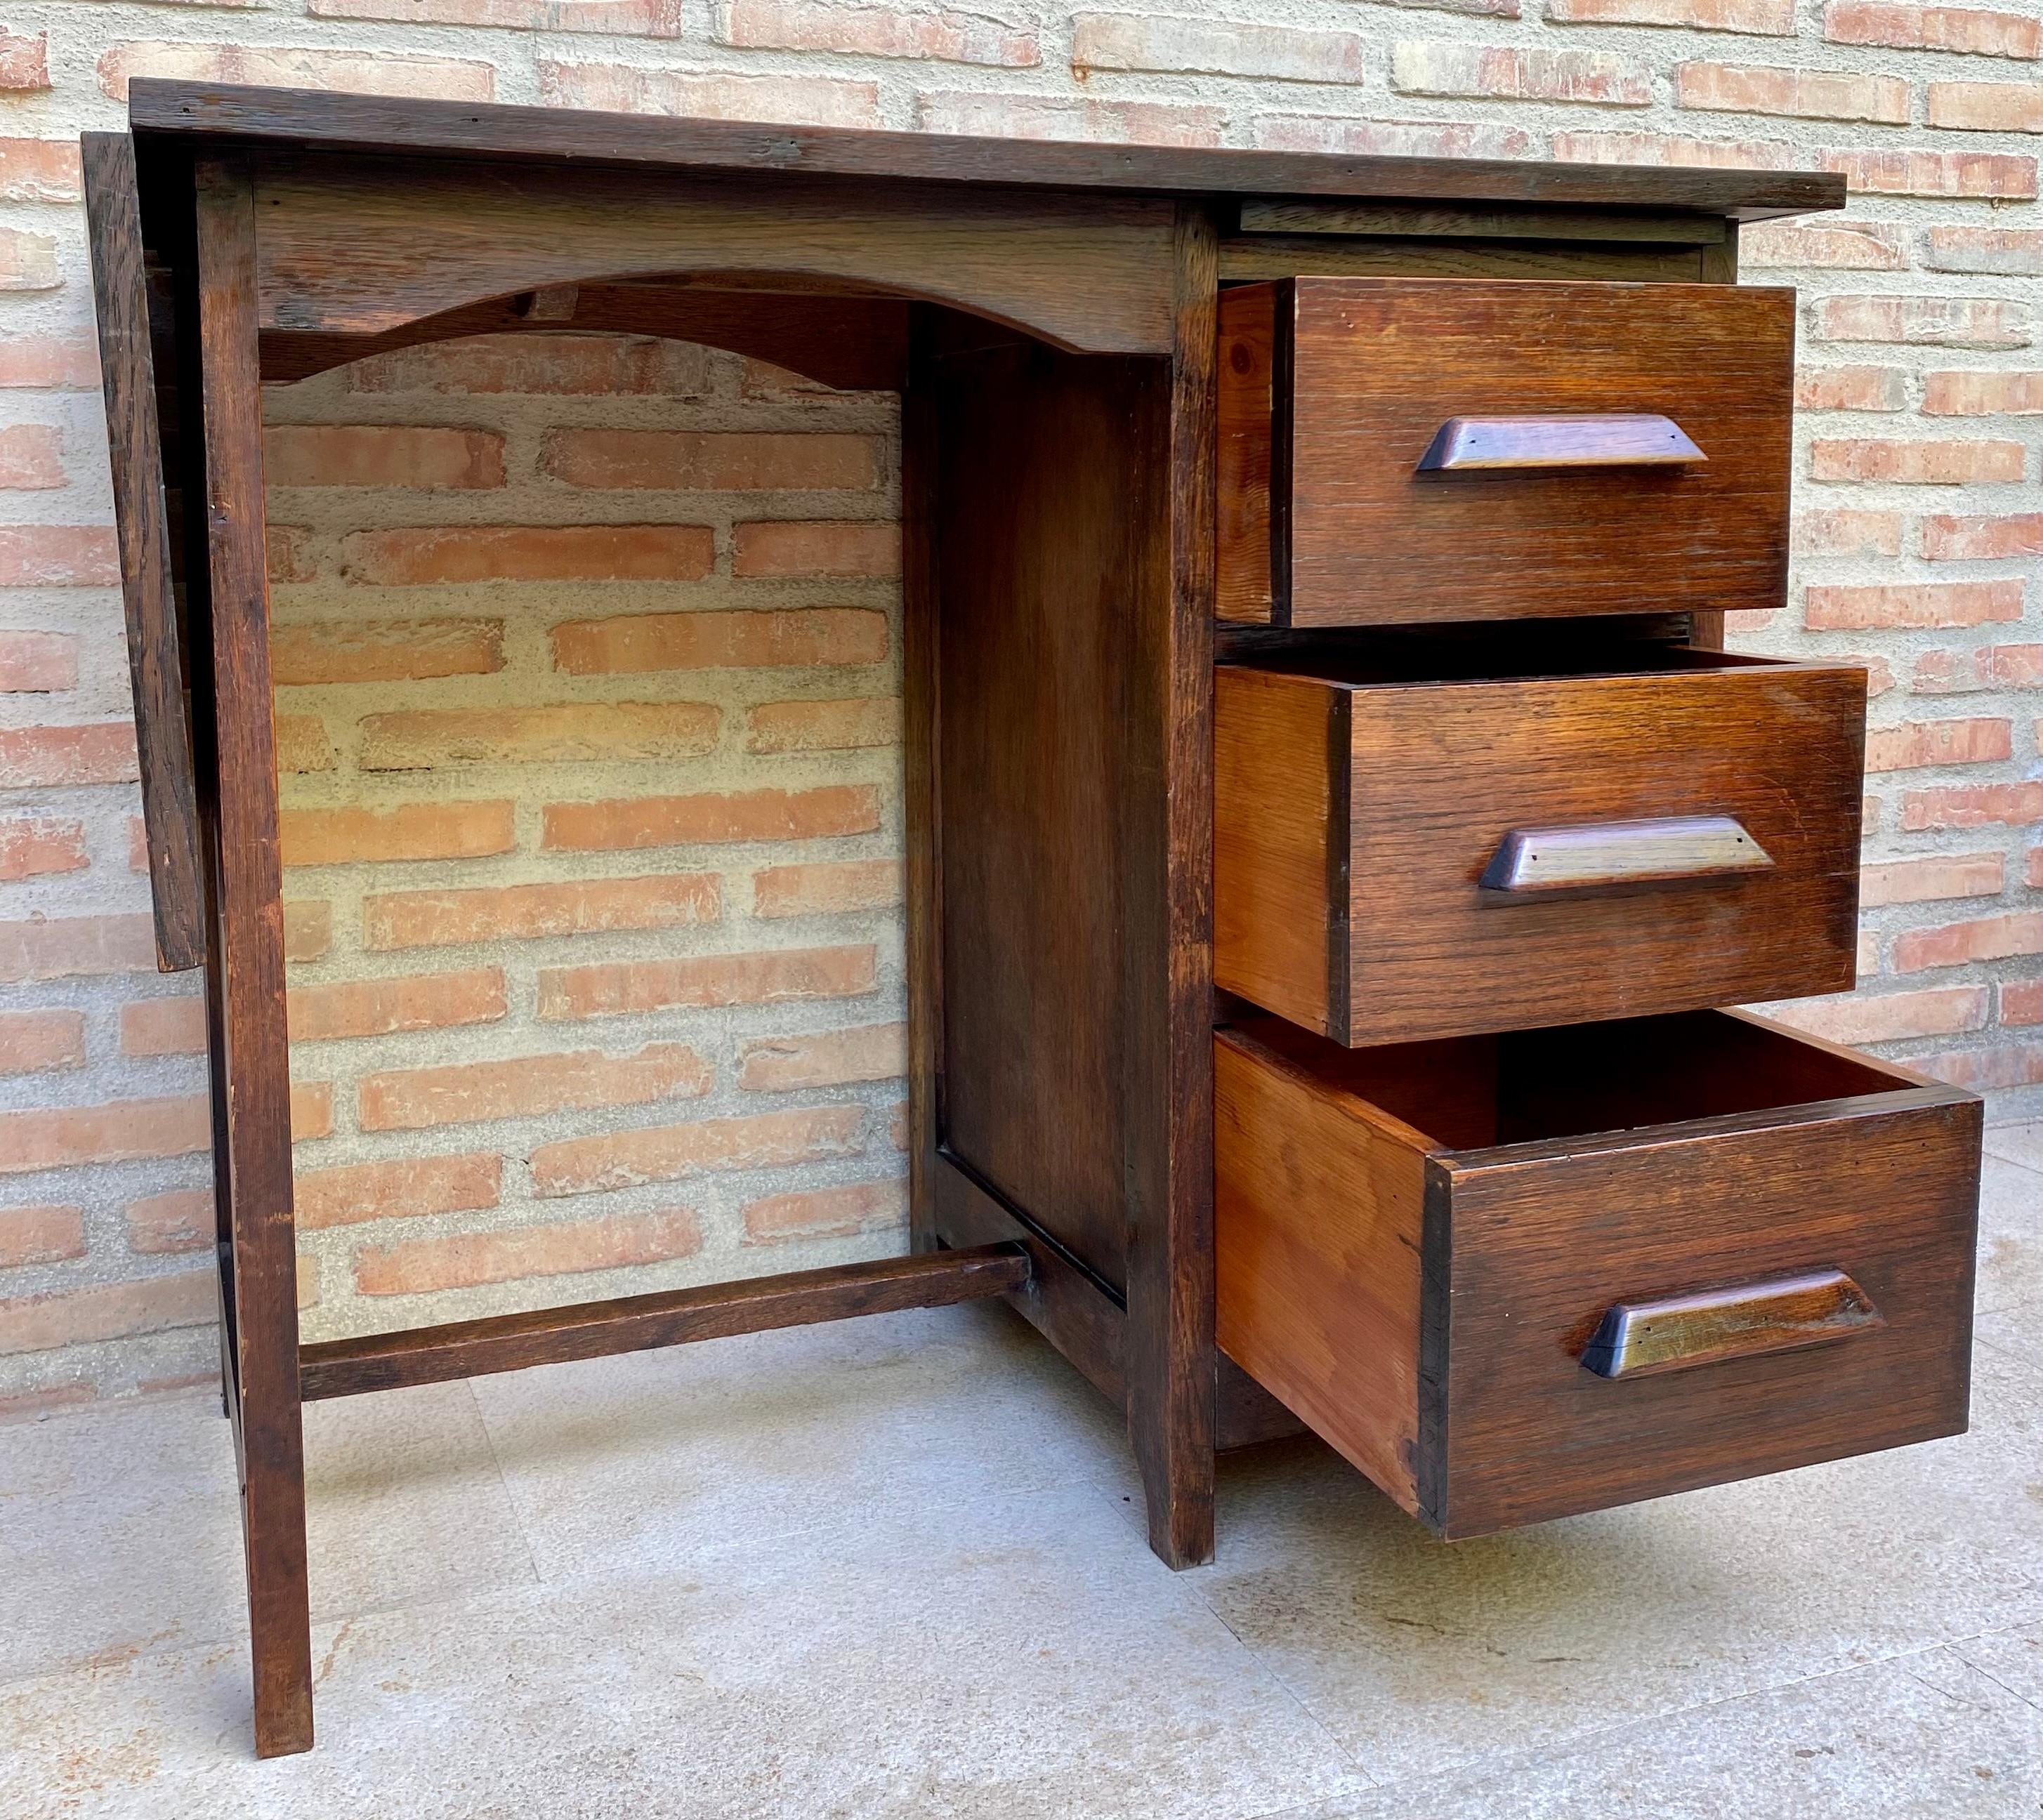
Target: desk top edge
pixel 161 113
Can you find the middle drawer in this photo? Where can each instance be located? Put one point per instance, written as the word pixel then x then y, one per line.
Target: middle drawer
pixel 1406 850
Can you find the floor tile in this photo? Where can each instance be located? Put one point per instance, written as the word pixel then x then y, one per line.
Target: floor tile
pixel 2011 1268
pixel 1926 1737
pixel 2017 1332
pixel 2021 1144
pixel 1028 1660
pixel 1422 1658
pixel 2014 1658
pixel 655 1460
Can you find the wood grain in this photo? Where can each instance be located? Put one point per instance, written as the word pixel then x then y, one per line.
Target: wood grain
pixel 155 666
pixel 1613 439
pixel 1425 221
pixel 181 110
pixel 667 1317
pixel 1733 1320
pixel 1441 775
pixel 1248 258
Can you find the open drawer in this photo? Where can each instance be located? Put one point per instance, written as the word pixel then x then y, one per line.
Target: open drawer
pixel 1402 450
pixel 1515 1278
pixel 1439 838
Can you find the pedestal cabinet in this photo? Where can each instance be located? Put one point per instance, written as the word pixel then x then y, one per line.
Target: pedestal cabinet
pixel 1333 823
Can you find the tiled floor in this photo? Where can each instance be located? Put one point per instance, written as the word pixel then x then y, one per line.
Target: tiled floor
pixel 894 1568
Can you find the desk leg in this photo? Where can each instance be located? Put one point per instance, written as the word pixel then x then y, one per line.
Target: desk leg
pixel 245 974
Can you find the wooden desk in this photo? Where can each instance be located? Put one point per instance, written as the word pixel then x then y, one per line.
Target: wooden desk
pixel 1049 313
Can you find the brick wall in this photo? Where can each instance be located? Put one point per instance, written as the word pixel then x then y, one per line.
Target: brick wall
pixel 594 900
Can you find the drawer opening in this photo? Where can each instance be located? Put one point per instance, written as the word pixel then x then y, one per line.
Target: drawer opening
pixel 1538 1086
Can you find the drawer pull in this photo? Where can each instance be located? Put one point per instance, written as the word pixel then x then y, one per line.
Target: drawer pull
pixel 1475 445
pixel 1781 1314
pixel 1600 856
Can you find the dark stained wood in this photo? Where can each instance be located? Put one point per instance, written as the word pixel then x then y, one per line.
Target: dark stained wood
pixel 1248 258
pixel 1420 220
pixel 1165 864
pixel 362 246
pixel 1440 776
pixel 1423 1295
pixel 857 344
pixel 668 1317
pixel 1612 439
pixel 921 612
pixel 1377 366
pixel 1246 1414
pixel 461 129
pixel 1616 855
pixel 1735 1320
pixel 1246 487
pixel 162 737
pixel 252 1053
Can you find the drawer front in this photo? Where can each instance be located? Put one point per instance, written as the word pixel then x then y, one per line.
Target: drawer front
pixel 1797 1273
pixel 1406 450
pixel 1399 863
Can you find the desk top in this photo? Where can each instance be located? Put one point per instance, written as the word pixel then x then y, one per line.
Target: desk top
pixel 167 117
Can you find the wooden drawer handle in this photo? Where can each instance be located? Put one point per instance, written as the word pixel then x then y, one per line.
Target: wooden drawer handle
pixel 1781 1314
pixel 1601 856
pixel 1476 445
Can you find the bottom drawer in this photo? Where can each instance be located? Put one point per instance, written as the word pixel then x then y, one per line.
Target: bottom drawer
pixel 1514 1277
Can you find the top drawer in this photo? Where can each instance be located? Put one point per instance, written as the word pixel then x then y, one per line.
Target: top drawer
pixel 1550 498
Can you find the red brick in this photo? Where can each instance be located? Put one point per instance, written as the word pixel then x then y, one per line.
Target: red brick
pixel 31 454
pixel 452 554
pixel 2022 1001
pixel 368 71
pixel 1940 322
pixel 2003 1065
pixel 1945 463
pixel 1804 94
pixel 403 1188
pixel 528 1087
pixel 37 663
pixel 28 261
pixel 793 549
pixel 381 455
pixel 931 34
pixel 1662 148
pixel 164 1224
pixel 824 726
pixel 39 170
pixel 2032 869
pixel 581 906
pixel 287 552
pixel 302 745
pixel 641 18
pixel 826 888
pixel 1424 67
pixel 1982 394
pixel 1953 944
pixel 384 650
pixel 1972 805
pixel 31 846
pixel 633 823
pixel 2016 252
pixel 1927 880
pixel 34 1405
pixel 48 758
pixel 1198 46
pixel 1878 680
pixel 1989 667
pixel 40 1235
pixel 1394 138
pixel 71 360
pixel 796 639
pixel 377 1007
pixel 1949 538
pixel 1987 107
pixel 411 831
pixel 568 733
pixel 71 947
pixel 827 1059
pixel 58 555
pixel 609 988
pixel 32 1042
pixel 1986 174
pixel 1978 30
pixel 1838 246
pixel 827 1212
pixel 989 114
pixel 1927 604
pixel 469 1260
pixel 1939 1011
pixel 1770 18
pixel 897 1128
pixel 1848 532
pixel 1921 743
pixel 163 1026
pixel 79 1317
pixel 307 928
pixel 120 1132
pixel 669 1153
pixel 699 94
pixel 24 62
pixel 311 1110
pixel 566 365
pixel 710 461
